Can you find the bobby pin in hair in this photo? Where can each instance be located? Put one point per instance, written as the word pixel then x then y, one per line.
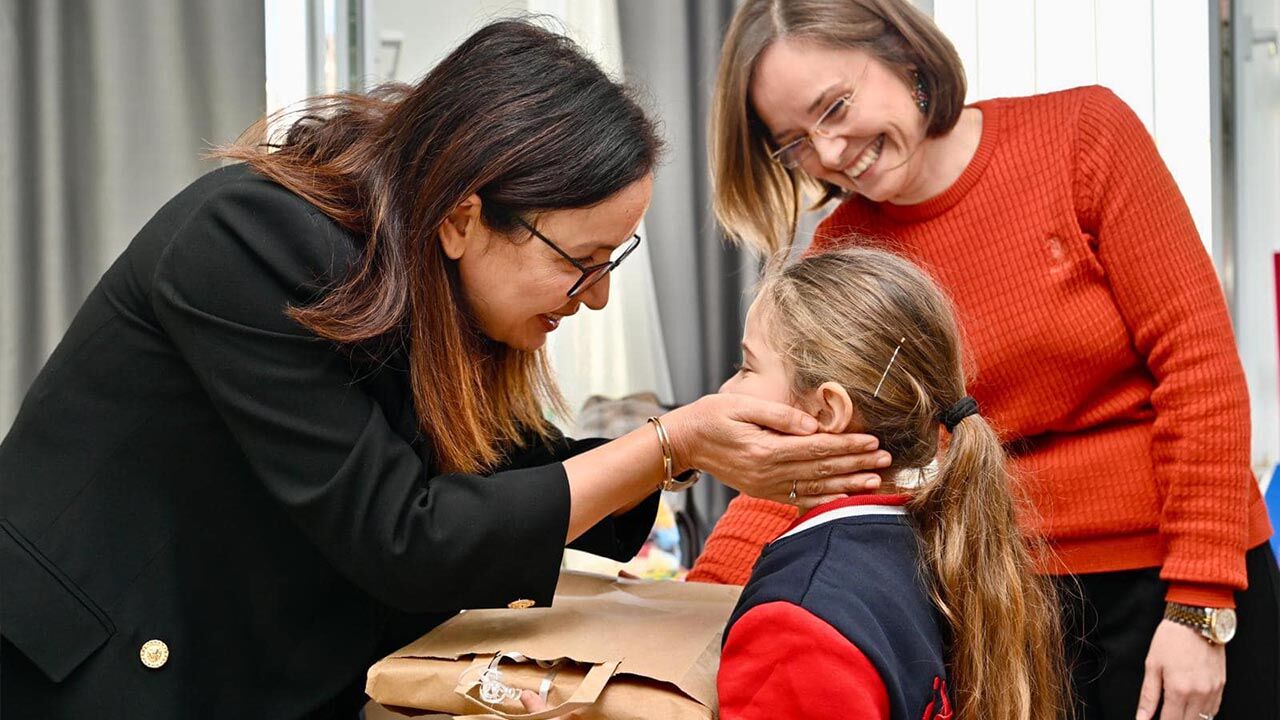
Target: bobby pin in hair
pixel 885 374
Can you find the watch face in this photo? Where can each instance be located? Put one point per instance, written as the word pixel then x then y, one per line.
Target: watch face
pixel 1224 626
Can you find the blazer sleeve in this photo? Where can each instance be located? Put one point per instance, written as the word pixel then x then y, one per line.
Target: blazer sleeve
pixel 319 444
pixel 618 537
pixel 780 660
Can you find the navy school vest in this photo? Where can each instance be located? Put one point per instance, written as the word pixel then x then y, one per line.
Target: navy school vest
pixel 861 575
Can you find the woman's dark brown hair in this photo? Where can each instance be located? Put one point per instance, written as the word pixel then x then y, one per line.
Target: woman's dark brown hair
pixel 516 114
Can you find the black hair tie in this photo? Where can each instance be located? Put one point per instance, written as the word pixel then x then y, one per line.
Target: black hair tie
pixel 963 408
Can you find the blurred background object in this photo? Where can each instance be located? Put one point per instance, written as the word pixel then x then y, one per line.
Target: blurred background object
pixel 109 104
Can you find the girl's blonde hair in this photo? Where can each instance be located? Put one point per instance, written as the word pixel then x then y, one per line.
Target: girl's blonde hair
pixel 840 317
pixel 757 200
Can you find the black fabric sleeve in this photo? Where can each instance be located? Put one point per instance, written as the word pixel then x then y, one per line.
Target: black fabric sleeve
pixel 616 537
pixel 319 444
pixel 620 537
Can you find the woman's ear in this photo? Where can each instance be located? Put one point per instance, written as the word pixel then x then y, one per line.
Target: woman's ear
pixel 834 409
pixel 460 227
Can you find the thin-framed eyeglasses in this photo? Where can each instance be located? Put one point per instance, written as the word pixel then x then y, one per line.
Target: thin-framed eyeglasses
pixel 833 121
pixel 591 274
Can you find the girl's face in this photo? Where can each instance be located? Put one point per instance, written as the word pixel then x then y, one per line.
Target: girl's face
pixel 869 146
pixel 762 373
pixel 518 291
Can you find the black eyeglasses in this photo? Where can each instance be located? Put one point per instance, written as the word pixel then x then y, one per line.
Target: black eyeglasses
pixel 591 274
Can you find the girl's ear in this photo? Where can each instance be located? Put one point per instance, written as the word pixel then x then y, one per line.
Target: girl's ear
pixel 460 227
pixel 834 408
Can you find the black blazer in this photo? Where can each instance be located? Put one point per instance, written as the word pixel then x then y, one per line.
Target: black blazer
pixel 192 466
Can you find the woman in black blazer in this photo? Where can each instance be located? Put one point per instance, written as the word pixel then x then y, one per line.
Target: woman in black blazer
pixel 300 420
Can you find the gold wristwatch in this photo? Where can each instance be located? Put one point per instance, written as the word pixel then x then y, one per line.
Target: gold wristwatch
pixel 1217 625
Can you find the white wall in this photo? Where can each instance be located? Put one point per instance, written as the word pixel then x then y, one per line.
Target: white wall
pixel 1257 237
pixel 286 49
pixel 429 30
pixel 1153 53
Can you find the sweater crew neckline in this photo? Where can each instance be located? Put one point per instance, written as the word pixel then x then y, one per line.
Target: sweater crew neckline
pixel 957 191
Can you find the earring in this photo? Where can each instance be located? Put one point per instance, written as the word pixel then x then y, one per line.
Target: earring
pixel 919 93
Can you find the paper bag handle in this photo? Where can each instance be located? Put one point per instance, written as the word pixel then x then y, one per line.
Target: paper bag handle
pixel 586 694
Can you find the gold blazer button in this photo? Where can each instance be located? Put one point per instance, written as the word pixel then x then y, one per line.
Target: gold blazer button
pixel 154 654
pixel 521 604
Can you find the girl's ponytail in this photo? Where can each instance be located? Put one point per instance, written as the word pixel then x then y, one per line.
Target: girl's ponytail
pixel 1005 652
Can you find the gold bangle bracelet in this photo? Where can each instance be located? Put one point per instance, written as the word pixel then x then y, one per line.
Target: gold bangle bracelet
pixel 669 483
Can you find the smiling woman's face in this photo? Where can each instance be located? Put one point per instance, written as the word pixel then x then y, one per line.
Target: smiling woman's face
pixel 517 291
pixel 874 151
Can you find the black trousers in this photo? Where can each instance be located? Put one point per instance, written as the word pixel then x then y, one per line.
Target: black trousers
pixel 1110 618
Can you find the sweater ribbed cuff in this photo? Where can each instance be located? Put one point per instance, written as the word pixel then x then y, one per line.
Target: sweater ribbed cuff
pixel 1198 595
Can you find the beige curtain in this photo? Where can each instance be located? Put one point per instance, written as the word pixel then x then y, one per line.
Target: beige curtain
pixel 105 109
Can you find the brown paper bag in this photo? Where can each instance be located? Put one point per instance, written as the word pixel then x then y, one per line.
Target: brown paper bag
pixel 608 648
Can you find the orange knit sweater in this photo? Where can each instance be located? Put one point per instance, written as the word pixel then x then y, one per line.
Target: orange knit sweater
pixel 1099 343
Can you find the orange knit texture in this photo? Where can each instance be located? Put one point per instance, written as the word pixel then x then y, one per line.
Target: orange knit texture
pixel 1099 345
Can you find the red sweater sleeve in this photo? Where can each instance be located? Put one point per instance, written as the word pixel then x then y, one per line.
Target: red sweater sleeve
pixel 748 524
pixel 781 661
pixel 1168 294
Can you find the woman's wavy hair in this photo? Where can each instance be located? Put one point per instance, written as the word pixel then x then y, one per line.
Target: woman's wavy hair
pixel 516 114
pixel 757 200
pixel 841 317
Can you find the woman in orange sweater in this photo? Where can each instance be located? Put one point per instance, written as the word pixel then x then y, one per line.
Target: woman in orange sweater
pixel 1100 338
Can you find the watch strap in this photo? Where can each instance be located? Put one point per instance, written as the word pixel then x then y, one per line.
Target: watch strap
pixel 1193 617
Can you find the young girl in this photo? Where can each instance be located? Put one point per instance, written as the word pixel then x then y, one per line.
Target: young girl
pixel 917 602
